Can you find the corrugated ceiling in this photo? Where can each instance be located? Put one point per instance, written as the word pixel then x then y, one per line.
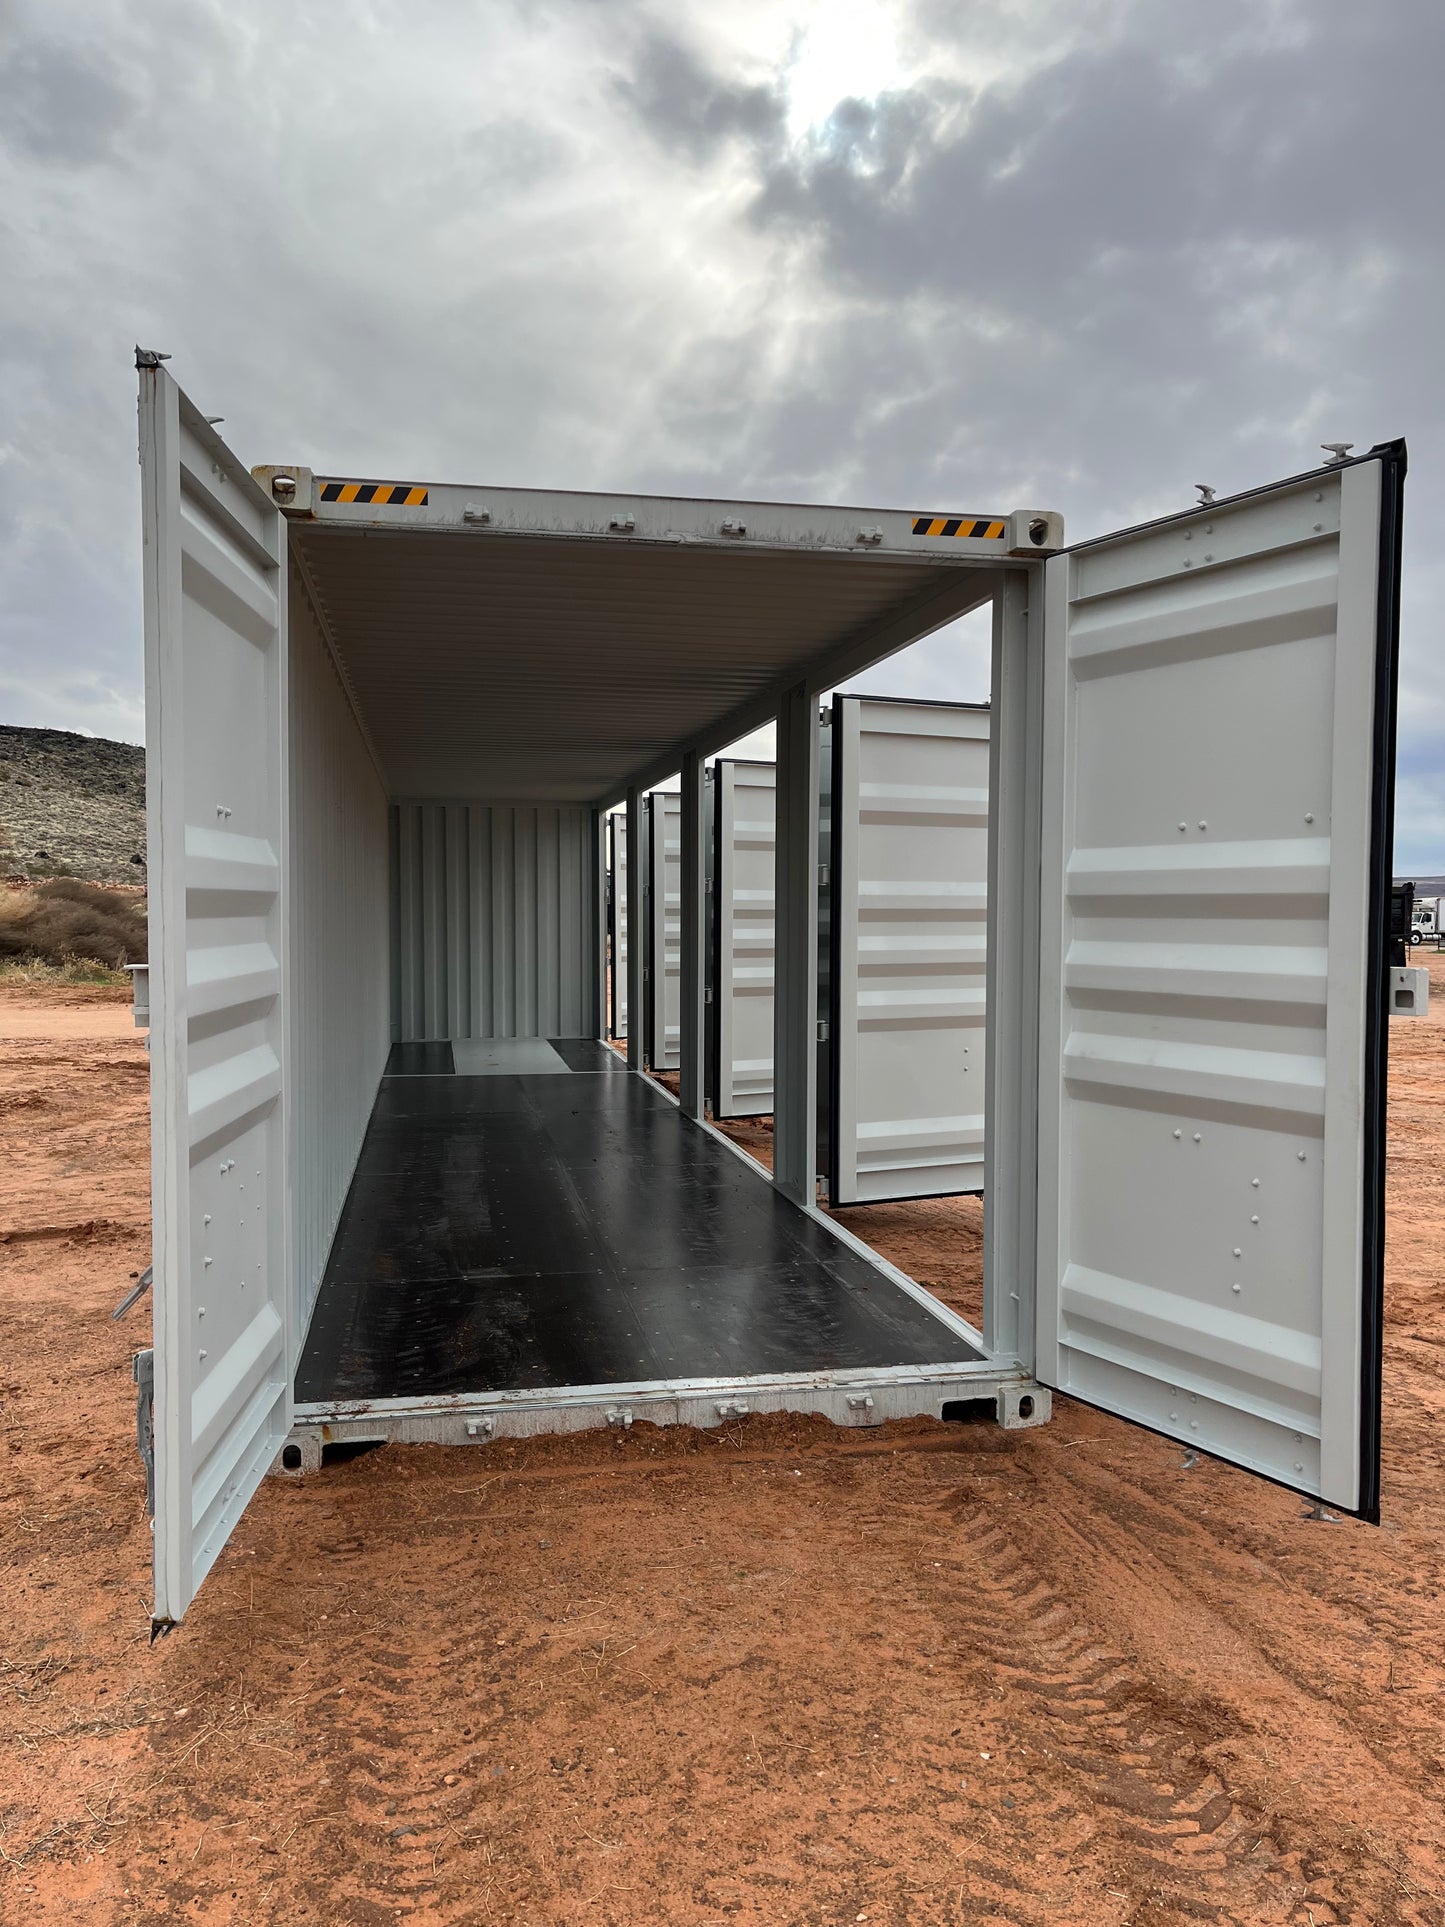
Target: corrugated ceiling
pixel 490 665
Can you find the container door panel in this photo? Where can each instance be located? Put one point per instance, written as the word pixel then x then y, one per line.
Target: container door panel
pixel 617 924
pixel 1218 778
pixel 910 913
pixel 743 897
pixel 665 930
pixel 215 643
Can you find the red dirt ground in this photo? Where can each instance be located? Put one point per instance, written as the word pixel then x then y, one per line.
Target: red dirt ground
pixel 778 1674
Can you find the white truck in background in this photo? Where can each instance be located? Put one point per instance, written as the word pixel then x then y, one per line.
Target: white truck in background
pixel 1425 920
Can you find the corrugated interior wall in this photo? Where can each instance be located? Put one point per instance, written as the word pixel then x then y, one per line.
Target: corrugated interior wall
pixel 340 1031
pixel 493 921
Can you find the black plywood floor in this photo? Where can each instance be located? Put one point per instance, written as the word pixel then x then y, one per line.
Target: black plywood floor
pixel 512 1232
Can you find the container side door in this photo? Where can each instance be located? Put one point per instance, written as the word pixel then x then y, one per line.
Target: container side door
pixel 215 643
pixel 617 924
pixel 910 876
pixel 1219 696
pixel 647 1013
pixel 665 927
pixel 744 899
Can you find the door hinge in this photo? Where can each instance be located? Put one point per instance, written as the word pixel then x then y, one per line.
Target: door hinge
pixel 822 876
pixel 822 1030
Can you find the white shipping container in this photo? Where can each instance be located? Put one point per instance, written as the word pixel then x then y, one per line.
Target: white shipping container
pixel 1189 827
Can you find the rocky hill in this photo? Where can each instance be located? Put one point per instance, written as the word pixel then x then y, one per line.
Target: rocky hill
pixel 71 806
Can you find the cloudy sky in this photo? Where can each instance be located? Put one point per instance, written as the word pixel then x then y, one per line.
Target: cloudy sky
pixel 1077 254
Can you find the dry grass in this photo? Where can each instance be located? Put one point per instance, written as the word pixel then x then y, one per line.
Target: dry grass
pixel 77 972
pixel 70 927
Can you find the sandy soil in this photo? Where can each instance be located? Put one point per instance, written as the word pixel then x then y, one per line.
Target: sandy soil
pixel 772 1675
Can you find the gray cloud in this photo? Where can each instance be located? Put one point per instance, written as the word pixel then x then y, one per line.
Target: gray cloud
pixel 1084 253
pixel 1173 254
pixel 693 111
pixel 63 104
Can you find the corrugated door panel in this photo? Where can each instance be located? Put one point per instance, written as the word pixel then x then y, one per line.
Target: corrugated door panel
pixel 617 922
pixel 457 921
pixel 547 975
pixel 500 936
pixel 479 921
pixel 910 873
pixel 665 934
pixel 1215 790
pixel 744 899
pixel 340 842
pixel 491 921
pixel 216 777
pixel 526 893
pixel 573 934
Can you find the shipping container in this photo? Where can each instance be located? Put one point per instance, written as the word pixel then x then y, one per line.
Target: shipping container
pixel 385 720
pixel 903 884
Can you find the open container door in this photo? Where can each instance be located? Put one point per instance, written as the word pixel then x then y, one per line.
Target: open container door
pixel 664 931
pixel 1218 781
pixel 617 925
pixel 744 937
pixel 215 650
pixel 909 903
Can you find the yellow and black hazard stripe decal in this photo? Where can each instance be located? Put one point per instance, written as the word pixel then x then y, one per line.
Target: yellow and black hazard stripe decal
pixel 966 525
pixel 396 495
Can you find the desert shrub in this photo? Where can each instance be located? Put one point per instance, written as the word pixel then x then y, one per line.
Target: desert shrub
pixel 67 976
pixel 66 921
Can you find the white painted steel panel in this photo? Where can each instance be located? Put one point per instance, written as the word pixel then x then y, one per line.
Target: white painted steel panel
pixel 910 893
pixel 743 892
pixel 617 924
pixel 493 920
pixel 1207 1098
pixel 664 929
pixel 216 696
pixel 340 941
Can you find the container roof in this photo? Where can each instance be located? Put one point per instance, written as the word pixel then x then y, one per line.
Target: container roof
pixel 564 655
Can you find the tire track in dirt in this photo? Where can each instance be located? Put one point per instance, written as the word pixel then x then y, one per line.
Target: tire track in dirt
pixel 1374 1740
pixel 419 1735
pixel 1149 1764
